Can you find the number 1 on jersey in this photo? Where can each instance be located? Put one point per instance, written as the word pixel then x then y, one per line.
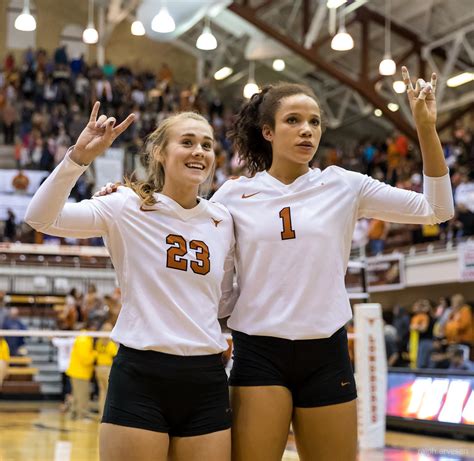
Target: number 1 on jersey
pixel 288 232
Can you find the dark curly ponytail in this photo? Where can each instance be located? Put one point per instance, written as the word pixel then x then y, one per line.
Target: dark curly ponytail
pixel 246 134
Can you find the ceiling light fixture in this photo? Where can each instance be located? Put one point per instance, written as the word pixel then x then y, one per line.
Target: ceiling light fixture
pixel 460 79
pixel 137 28
pixel 387 66
pixel 25 21
pixel 206 41
pixel 163 22
pixel 90 34
pixel 342 41
pixel 279 65
pixel 223 73
pixel 251 87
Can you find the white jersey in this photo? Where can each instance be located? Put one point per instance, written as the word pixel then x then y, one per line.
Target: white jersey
pixel 293 244
pixel 169 260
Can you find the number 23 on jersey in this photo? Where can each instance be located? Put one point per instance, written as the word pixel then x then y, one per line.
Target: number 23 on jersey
pixel 176 255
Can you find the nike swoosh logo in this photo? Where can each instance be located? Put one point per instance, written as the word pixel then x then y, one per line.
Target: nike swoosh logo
pixel 345 384
pixel 249 195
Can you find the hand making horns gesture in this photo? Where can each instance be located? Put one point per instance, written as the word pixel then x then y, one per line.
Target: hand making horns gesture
pixel 97 136
pixel 422 99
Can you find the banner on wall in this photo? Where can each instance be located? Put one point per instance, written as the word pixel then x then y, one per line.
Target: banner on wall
pixel 383 273
pixel 109 167
pixel 466 261
pixel 386 272
pixel 30 181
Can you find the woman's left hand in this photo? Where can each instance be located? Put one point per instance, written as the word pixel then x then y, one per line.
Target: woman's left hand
pixel 422 99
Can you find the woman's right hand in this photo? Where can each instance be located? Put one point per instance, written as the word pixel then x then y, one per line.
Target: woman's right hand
pixel 109 188
pixel 97 136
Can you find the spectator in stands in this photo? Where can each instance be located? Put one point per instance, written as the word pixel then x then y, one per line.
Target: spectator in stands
pixel 114 302
pixel 421 334
pixel 378 231
pixel 360 237
pixel 67 318
pixel 165 74
pixel 106 351
pixel 92 302
pixel 60 56
pixel 4 359
pixel 463 223
pixel 401 322
pixel 464 193
pixel 3 309
pixel 391 345
pixel 13 322
pixel 9 63
pixel 64 347
pixel 75 298
pixel 103 92
pixel 9 232
pixel 440 355
pixel 109 70
pixel 459 361
pixel 441 316
pixel 460 326
pixel 9 116
pixel 80 370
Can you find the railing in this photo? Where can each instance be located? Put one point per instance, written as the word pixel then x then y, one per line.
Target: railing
pixel 418 249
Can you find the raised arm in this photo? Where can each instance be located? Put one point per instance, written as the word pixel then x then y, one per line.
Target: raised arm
pixel 48 211
pixel 423 106
pixel 435 205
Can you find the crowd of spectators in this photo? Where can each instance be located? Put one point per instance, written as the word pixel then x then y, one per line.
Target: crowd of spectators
pixel 83 360
pixel 398 163
pixel 436 335
pixel 45 100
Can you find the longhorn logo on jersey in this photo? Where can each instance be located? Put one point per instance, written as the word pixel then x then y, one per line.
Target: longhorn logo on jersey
pixel 216 221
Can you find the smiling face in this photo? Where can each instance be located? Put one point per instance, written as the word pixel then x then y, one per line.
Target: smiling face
pixel 189 153
pixel 297 130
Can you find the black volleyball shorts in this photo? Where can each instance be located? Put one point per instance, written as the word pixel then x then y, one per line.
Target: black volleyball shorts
pixel 180 395
pixel 318 372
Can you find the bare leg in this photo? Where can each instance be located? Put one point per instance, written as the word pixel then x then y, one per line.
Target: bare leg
pixel 3 371
pixel 211 447
pixel 328 432
pixel 120 443
pixel 102 374
pixel 261 422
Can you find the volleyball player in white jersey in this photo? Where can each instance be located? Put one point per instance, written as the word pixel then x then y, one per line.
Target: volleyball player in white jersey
pixel 293 229
pixel 168 396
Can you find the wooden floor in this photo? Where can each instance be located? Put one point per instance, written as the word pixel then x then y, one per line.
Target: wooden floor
pixel 40 432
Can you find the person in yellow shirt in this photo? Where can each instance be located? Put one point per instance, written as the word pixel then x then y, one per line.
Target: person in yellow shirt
pixel 106 351
pixel 419 324
pixel 80 370
pixel 4 359
pixel 460 326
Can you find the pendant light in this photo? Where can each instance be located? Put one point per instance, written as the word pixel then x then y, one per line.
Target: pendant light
pixel 25 22
pixel 90 34
pixel 387 66
pixel 251 87
pixel 206 41
pixel 163 22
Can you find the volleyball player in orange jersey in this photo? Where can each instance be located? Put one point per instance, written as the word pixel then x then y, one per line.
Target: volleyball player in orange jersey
pixel 293 228
pixel 167 397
